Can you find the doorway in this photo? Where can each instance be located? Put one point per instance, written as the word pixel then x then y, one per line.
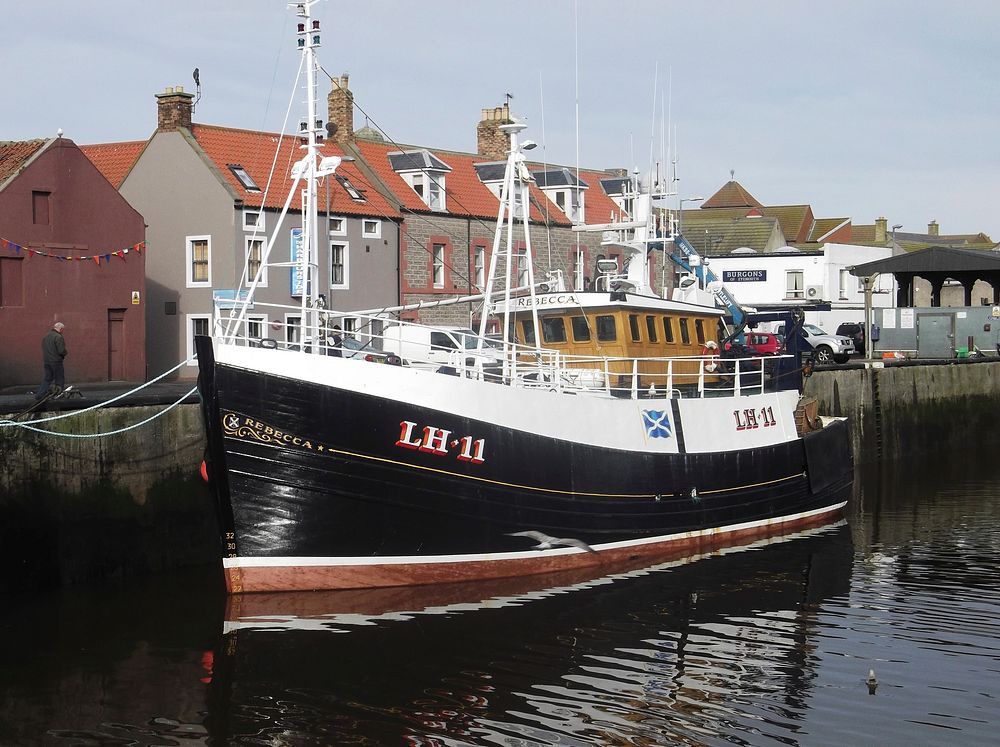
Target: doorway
pixel 116 344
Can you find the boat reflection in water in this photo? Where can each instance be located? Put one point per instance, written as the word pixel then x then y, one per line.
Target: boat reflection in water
pixel 637 654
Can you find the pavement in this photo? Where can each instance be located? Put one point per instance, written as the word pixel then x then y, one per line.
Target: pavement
pixel 20 399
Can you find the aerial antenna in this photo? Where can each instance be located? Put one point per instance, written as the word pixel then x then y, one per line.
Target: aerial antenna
pixel 197 85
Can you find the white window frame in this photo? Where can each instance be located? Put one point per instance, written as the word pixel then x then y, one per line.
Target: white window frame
pixel 250 225
pixel 189 266
pixel 479 265
pixel 342 231
pixel 246 259
pixel 189 333
pixel 349 327
pixel 289 326
pixel 800 291
pixel 579 269
pixel 346 263
pixel 375 233
pixel 843 284
pixel 437 265
pixel 436 190
pixel 521 256
pixel 260 319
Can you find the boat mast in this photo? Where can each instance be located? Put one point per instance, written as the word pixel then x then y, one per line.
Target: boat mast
pixel 310 130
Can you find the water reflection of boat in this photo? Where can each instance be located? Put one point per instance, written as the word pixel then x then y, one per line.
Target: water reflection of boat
pixel 333 473
pixel 642 654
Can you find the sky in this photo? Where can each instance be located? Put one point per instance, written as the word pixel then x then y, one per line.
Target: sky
pixel 859 108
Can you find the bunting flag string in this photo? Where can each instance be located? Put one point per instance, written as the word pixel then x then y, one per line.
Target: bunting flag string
pixel 104 256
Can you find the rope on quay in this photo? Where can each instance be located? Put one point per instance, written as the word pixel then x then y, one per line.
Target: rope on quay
pixel 17 424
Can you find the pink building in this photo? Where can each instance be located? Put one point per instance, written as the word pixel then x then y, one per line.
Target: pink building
pixel 71 250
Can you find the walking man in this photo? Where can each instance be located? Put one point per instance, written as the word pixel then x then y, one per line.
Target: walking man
pixel 53 353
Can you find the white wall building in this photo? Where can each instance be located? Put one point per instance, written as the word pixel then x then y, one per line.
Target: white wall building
pixel 791 277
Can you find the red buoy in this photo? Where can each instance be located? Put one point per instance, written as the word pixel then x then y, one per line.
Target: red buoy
pixel 204 470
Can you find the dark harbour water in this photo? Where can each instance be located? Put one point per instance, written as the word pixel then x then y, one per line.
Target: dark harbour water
pixel 765 646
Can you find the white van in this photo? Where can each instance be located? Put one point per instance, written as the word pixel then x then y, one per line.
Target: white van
pixel 434 347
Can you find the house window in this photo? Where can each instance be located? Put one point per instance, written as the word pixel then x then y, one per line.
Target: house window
pixel 561 200
pixel 553 329
pixel 40 208
pixel 579 266
pixel 199 261
pixel 243 177
pixel 581 329
pixel 699 331
pixel 338 226
pixel 197 325
pixel 651 328
pixel 253 219
pixel 606 331
pixel 371 229
pixel 350 324
pixel 435 191
pixel 437 265
pixel 254 254
pixel 668 329
pixel 843 284
pixel 479 266
pixel 256 326
pixel 793 284
pixel 685 333
pixel 340 265
pixel 633 327
pixel 293 330
pixel 522 267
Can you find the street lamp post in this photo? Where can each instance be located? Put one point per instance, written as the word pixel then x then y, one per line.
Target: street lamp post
pixel 680 212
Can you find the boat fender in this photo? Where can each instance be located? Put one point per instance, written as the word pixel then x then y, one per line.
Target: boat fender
pixel 711 351
pixel 204 470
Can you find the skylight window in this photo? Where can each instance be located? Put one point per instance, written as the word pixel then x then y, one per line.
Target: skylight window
pixel 244 178
pixel 356 194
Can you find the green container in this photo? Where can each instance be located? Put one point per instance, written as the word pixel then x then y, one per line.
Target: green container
pixel 962 352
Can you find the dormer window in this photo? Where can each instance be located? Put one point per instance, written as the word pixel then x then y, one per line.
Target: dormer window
pixel 425 174
pixel 243 177
pixel 492 176
pixel 563 188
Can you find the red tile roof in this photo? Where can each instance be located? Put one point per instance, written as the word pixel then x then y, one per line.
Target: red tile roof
pixel 255 152
pixel 13 155
pixel 732 194
pixel 114 160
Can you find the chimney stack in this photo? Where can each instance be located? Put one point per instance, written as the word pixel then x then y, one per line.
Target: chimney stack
pixel 491 141
pixel 932 228
pixel 173 109
pixel 881 235
pixel 340 110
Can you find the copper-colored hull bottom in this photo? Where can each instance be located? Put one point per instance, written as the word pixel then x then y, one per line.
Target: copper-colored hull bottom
pixel 385 575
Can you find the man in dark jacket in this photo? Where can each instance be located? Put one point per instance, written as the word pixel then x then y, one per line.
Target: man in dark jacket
pixel 53 353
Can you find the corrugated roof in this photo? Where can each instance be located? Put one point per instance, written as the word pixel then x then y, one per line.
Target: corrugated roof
pixel 114 160
pixel 935 259
pixel 14 154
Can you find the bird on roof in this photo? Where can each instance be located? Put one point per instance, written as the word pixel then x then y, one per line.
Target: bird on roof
pixel 545 542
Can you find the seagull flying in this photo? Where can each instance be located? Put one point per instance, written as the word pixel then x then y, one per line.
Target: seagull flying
pixel 545 542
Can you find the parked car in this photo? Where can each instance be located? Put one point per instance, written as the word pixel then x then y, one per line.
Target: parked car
pixel 433 347
pixel 352 348
pixel 856 331
pixel 764 343
pixel 827 348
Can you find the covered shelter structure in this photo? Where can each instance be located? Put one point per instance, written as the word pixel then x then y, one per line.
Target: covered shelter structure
pixel 937 264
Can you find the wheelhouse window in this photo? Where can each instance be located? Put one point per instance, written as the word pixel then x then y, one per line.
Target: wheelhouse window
pixel 606 331
pixel 651 328
pixel 199 256
pixel 685 332
pixel 339 266
pixel 553 329
pixel 633 327
pixel 581 329
pixel 794 287
pixel 528 331
pixel 668 329
pixel 699 331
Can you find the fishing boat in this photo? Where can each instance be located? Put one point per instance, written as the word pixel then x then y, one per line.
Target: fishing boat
pixel 598 427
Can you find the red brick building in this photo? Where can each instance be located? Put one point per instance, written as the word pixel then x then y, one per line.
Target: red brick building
pixel 71 250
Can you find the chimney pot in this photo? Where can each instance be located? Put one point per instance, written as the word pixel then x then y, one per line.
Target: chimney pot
pixel 881 234
pixel 340 109
pixel 491 141
pixel 933 228
pixel 173 109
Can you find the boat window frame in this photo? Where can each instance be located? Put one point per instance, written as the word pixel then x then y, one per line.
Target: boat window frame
pixel 668 330
pixel 554 324
pixel 699 331
pixel 528 331
pixel 600 322
pixel 651 328
pixel 581 328
pixel 682 323
pixel 633 328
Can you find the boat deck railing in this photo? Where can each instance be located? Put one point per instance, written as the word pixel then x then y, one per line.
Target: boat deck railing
pixel 507 363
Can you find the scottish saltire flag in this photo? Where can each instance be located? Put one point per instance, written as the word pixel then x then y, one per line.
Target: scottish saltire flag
pixel 656 423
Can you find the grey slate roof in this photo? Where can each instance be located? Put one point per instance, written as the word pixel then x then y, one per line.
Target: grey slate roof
pixel 491 172
pixel 557 178
pixel 417 160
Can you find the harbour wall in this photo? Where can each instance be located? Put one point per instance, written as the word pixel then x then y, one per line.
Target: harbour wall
pixel 81 509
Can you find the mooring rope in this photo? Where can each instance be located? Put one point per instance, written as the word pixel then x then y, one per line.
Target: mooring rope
pixel 74 413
